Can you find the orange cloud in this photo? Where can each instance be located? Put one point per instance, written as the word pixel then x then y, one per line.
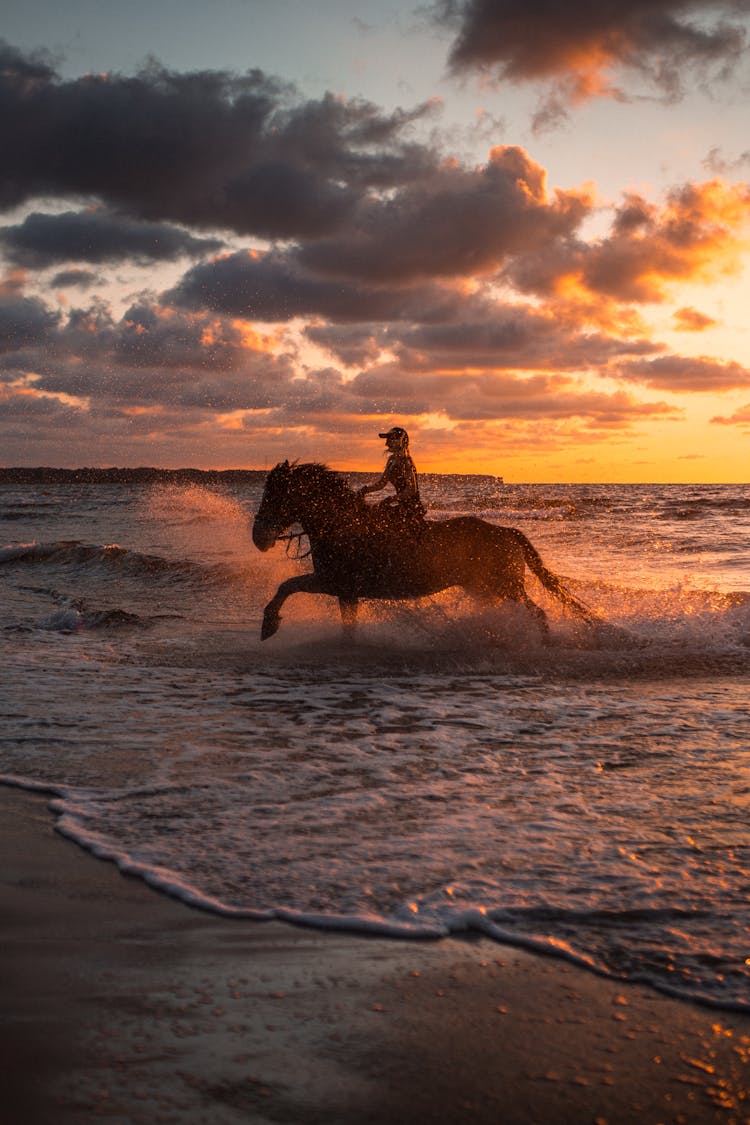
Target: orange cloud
pixel 141 411
pixel 740 417
pixel 680 373
pixel 211 334
pixel 574 47
pixel 12 284
pixel 698 235
pixel 256 341
pixel 690 320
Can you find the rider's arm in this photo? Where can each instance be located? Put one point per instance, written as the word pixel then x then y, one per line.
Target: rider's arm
pixel 381 482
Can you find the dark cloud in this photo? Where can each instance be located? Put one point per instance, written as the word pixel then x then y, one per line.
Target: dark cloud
pixel 462 293
pixel 462 222
pixel 72 279
pixel 153 356
pixel 577 44
pixel 683 373
pixel 479 335
pixel 25 321
pixel 510 337
pixel 207 149
pixel 97 236
pixel 23 403
pixel 276 286
pixel 156 358
pixel 353 344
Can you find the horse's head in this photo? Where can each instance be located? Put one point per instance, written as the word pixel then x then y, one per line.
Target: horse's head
pixel 310 494
pixel 278 509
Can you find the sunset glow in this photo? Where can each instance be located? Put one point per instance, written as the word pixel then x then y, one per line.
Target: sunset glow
pixel 292 267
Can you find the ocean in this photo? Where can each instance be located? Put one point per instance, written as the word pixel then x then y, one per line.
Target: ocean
pixel 448 772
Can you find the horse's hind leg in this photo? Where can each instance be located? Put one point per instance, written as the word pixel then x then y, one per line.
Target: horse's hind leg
pixel 348 608
pixel 538 614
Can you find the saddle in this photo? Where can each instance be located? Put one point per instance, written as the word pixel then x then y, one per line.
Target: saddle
pixel 395 520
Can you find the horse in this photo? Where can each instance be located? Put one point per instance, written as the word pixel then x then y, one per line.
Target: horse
pixel 363 551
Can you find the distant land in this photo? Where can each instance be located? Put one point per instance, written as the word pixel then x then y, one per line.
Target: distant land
pixel 43 474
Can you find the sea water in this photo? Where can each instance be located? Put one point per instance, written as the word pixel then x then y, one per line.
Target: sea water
pixel 450 770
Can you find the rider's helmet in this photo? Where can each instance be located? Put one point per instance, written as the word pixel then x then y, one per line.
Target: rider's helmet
pixel 396 439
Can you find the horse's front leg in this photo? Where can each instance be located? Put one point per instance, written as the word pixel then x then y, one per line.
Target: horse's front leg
pixel 301 584
pixel 348 608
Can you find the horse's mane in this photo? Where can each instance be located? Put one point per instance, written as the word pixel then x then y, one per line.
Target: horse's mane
pixel 322 475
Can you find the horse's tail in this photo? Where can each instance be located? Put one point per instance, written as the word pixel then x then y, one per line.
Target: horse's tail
pixel 551 582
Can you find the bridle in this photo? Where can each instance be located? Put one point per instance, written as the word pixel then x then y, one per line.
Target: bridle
pixel 289 539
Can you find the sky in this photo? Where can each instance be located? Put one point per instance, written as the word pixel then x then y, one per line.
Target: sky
pixel 236 233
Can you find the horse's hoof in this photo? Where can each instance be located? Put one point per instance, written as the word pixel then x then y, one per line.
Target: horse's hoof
pixel 271 622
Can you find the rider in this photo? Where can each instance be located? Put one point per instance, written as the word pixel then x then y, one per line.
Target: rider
pixel 401 472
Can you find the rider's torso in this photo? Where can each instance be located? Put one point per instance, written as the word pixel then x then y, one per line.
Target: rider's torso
pixel 402 474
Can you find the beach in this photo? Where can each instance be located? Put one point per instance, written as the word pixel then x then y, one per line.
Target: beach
pixel 121 1004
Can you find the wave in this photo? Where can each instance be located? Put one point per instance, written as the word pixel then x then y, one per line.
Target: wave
pixel 77 616
pixel 113 558
pixel 575 503
pixel 641 631
pixel 527 508
pixel 704 507
pixel 618 944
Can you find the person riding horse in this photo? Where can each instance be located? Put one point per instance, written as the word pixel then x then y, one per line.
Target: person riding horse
pixel 405 510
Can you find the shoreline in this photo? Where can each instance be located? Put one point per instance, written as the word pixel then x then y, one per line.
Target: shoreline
pixel 122 1003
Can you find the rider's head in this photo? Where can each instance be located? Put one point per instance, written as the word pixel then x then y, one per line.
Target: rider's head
pixel 396 439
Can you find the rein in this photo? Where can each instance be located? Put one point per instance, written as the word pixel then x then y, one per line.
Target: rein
pixel 299 536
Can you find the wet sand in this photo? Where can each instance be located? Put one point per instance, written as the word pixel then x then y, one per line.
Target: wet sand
pixel 122 1005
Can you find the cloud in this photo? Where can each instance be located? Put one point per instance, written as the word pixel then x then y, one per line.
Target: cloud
pixel 496 336
pixel 158 358
pixel 698 234
pixel 352 344
pixel 430 326
pixel 740 417
pixel 462 222
pixel 719 165
pixel 679 374
pixel 378 279
pixel 75 278
pixel 579 46
pixel 25 321
pixel 207 149
pixel 691 320
pixel 490 396
pixel 97 236
pixel 276 286
pixel 156 355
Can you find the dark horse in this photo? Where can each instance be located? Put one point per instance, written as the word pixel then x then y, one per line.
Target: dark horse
pixel 361 551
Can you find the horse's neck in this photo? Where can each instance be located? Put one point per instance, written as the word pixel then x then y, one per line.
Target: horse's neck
pixel 326 513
